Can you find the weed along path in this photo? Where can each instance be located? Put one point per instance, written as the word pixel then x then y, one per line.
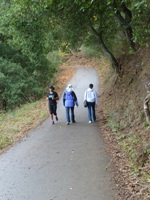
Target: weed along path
pixel 59 162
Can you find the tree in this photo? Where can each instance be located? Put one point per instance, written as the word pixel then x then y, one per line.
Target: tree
pixel 141 21
pixel 146 103
pixel 16 85
pixel 124 17
pixel 27 32
pixel 82 18
pixel 30 29
pixel 24 30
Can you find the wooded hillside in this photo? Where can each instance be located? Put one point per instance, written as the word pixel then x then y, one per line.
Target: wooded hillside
pixel 29 30
pixel 36 35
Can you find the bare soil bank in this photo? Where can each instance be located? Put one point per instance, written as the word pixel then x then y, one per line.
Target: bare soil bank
pixel 122 120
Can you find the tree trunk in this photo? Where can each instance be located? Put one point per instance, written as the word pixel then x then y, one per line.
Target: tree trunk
pixel 147 108
pixel 4 104
pixel 125 22
pixel 115 63
pixel 147 103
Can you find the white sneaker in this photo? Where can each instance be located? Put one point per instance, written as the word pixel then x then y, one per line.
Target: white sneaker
pixel 90 122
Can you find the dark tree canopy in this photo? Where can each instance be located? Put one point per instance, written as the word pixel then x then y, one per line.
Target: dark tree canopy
pixel 30 29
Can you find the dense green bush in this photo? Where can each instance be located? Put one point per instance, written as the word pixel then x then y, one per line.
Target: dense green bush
pixel 16 85
pixel 24 44
pixel 141 21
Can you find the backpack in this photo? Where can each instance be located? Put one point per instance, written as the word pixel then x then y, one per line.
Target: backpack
pixel 69 96
pixel 69 99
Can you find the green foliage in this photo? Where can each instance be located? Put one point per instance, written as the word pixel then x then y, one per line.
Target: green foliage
pixel 145 124
pixel 141 21
pixel 29 30
pixel 91 51
pixel 54 58
pixel 114 125
pixel 24 44
pixel 16 86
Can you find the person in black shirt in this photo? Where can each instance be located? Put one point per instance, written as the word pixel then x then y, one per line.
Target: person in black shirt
pixel 52 98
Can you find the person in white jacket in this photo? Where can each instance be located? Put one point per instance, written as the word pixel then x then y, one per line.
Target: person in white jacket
pixel 90 96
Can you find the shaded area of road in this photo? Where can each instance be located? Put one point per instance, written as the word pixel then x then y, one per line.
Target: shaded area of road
pixel 59 162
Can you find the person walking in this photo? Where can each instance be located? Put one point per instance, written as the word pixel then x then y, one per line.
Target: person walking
pixel 52 98
pixel 90 96
pixel 69 101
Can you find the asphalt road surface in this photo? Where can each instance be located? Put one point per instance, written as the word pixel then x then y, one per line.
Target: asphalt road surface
pixel 59 162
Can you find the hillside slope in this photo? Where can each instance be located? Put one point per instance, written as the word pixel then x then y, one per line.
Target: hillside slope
pixel 122 120
pixel 124 125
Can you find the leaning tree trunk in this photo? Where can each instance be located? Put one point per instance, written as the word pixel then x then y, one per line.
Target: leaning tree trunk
pixel 147 104
pixel 125 22
pixel 115 63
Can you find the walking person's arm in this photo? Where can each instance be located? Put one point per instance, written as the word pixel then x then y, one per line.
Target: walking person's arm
pixel 64 98
pixel 75 98
pixel 85 95
pixel 56 96
pixel 96 98
pixel 47 98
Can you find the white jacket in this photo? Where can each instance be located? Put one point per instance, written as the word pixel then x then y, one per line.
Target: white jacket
pixel 90 95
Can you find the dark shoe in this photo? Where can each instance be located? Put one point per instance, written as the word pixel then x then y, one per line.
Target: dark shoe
pixel 53 123
pixel 56 118
pixel 74 121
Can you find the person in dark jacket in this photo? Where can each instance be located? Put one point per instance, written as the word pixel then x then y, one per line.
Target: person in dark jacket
pixel 69 101
pixel 52 98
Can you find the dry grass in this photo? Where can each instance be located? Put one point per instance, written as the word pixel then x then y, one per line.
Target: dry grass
pixel 122 121
pixel 124 127
pixel 16 124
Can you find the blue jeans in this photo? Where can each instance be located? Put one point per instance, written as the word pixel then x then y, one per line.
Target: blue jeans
pixel 68 109
pixel 91 111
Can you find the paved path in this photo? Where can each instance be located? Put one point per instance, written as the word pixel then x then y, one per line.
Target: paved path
pixel 59 162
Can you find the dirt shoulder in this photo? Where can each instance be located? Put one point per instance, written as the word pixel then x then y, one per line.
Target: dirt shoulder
pixel 122 121
pixel 16 124
pixel 124 126
pixel 121 118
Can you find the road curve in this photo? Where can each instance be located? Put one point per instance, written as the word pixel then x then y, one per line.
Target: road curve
pixel 59 162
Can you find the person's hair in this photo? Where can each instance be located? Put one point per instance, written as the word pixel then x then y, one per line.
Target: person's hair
pixel 91 85
pixel 51 87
